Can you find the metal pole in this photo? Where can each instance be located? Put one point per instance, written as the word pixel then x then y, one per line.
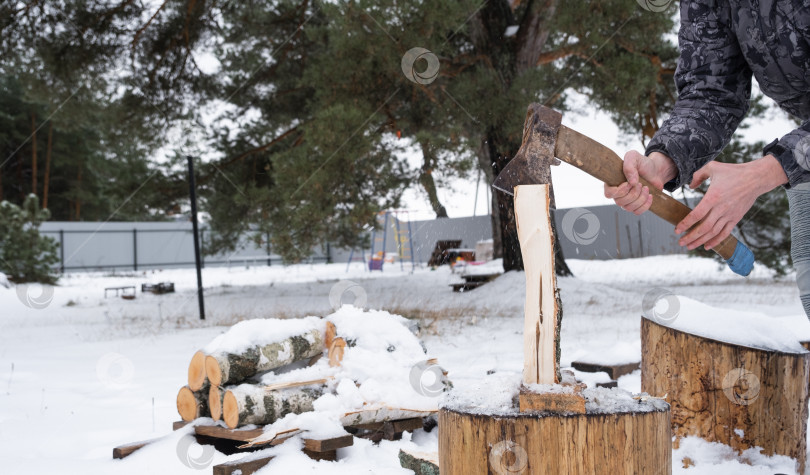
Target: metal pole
pixel 135 249
pixel 193 195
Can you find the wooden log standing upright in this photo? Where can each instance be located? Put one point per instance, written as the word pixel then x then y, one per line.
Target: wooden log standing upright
pixel 739 396
pixel 471 441
pixel 542 310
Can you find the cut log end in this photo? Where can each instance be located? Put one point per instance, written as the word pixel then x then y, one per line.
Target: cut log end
pixel 215 403
pixel 213 371
pixel 187 404
pixel 230 410
pixel 196 371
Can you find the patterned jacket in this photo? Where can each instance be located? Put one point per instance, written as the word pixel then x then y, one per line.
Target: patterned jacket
pixel 722 43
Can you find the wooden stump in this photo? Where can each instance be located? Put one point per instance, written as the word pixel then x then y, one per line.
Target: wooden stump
pixel 739 396
pixel 472 441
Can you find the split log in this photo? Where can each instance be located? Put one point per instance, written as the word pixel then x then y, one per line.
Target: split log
pixel 249 404
pixel 192 404
pixel 336 350
pixel 228 368
pixel 471 440
pixel 739 396
pixel 543 309
pixel 196 371
pixel 369 415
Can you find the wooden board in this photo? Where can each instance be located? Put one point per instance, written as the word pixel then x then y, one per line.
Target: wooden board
pixel 613 370
pixel 219 432
pixel 551 402
pixel 541 323
pixel 325 445
pixel 738 396
pixel 123 451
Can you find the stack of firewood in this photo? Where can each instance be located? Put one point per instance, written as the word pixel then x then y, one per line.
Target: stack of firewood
pixel 216 382
pixel 239 386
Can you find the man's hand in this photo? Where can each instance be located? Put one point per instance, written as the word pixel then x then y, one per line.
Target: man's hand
pixel 733 190
pixel 631 195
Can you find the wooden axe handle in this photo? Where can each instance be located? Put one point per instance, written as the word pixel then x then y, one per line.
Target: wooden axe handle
pixel 603 164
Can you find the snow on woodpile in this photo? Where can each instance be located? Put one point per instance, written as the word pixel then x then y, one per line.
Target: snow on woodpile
pixel 384 374
pixel 251 333
pixel 497 395
pixel 736 327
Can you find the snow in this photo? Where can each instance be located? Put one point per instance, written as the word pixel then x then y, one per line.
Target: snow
pixel 380 368
pixel 497 396
pixel 86 373
pixel 712 458
pixel 738 327
pixel 260 332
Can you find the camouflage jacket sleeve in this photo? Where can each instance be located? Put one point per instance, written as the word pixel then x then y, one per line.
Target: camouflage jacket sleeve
pixel 793 153
pixel 714 88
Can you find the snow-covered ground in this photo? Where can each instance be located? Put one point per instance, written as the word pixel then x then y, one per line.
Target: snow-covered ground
pixel 80 373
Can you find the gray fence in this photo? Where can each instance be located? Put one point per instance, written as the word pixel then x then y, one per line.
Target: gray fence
pixel 91 246
pixel 597 232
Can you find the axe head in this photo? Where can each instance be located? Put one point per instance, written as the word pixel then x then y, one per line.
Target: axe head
pixel 532 163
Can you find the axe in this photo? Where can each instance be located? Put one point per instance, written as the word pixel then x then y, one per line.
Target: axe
pixel 544 138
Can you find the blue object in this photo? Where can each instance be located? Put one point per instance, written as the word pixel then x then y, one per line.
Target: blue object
pixel 742 261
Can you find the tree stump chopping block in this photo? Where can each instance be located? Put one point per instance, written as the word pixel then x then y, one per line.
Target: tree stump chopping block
pixel 473 440
pixel 739 396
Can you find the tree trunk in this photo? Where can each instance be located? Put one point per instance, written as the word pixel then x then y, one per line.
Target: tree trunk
pixel 739 396
pixel 78 212
pixel 427 181
pixel 229 368
pixel 249 404
pixel 196 371
pixel 34 153
pixel 47 178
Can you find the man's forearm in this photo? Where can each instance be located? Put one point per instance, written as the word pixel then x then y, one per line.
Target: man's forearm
pixel 771 172
pixel 665 167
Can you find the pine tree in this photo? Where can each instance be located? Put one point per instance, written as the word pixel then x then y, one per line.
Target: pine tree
pixel 25 255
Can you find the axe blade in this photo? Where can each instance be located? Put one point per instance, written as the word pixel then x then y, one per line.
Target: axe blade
pixel 532 163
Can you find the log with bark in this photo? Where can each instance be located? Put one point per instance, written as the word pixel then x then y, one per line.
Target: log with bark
pixel 739 396
pixel 260 405
pixel 192 404
pixel 230 368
